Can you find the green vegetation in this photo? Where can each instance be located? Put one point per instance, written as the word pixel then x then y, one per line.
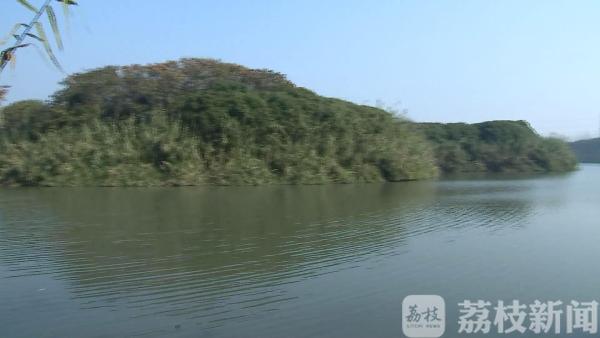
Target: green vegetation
pixel 496 146
pixel 587 151
pixel 198 121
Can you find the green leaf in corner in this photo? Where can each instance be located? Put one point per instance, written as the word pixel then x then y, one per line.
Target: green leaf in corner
pixel 54 25
pixel 42 35
pixel 28 5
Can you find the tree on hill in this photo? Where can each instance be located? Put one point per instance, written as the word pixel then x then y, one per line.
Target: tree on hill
pixel 496 146
pixel 3 90
pixel 198 121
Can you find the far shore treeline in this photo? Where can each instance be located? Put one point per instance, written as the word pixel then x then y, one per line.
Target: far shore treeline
pixel 199 121
pixel 587 151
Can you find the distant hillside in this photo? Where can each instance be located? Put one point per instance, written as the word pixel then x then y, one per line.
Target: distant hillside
pixel 587 151
pixel 496 146
pixel 198 121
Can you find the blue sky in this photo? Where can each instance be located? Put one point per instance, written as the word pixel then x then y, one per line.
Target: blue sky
pixel 448 61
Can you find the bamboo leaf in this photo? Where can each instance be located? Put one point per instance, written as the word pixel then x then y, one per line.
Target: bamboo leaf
pixel 54 25
pixel 35 37
pixel 65 6
pixel 12 32
pixel 66 12
pixel 67 3
pixel 28 5
pixel 8 55
pixel 12 49
pixel 40 30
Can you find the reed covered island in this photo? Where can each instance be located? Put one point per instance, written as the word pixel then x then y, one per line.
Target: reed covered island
pixel 200 121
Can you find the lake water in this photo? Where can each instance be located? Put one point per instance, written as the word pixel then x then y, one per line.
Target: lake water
pixel 289 261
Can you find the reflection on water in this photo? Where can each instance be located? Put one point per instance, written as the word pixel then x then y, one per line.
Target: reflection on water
pixel 279 261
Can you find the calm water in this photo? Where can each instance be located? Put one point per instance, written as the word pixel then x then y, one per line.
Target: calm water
pixel 314 261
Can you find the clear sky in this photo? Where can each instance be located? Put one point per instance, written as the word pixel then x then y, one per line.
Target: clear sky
pixel 454 60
